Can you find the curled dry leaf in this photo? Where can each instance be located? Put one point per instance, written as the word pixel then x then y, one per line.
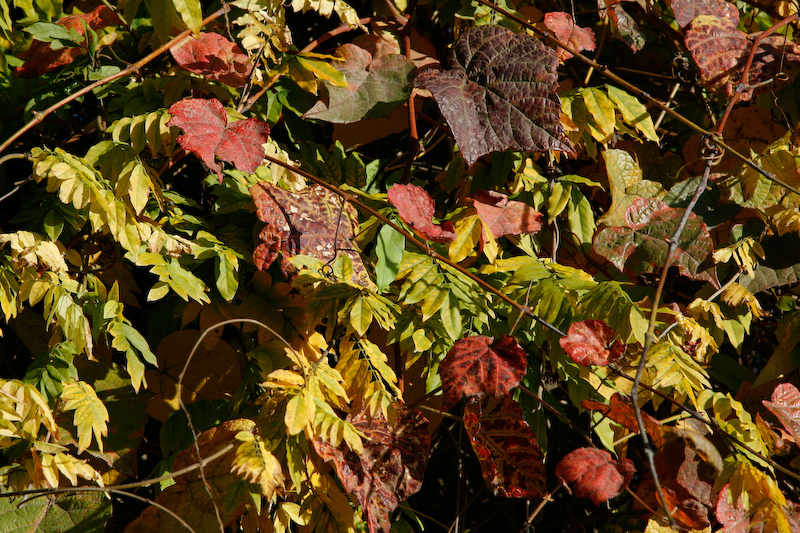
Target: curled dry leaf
pixel 416 207
pixel 588 342
pixel 505 217
pixel 215 57
pixel 565 30
pixel 591 473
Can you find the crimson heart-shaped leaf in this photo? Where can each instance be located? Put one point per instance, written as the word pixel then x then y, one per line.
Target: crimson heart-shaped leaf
pixel 510 457
pixel 588 342
pixel 416 207
pixel 591 473
pixel 208 134
pixel 213 56
pixel 499 93
pixel 479 365
pixel 620 410
pixel 785 405
pixel 641 247
pixel 563 27
pixel 391 467
pixel 504 217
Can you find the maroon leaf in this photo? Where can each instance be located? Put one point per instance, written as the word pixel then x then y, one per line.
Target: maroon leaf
pixel 642 246
pixel 620 410
pixel 479 365
pixel 499 93
pixel 591 473
pixel 208 134
pixel 687 10
pixel 504 217
pixel 588 342
pixel 415 207
pixel 390 469
pixel 510 458
pixel 785 405
pixel 40 58
pixel 565 30
pixel 213 56
pixel 307 223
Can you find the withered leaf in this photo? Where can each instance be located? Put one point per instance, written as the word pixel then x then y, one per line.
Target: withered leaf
pixel 588 342
pixel 215 57
pixel 592 473
pixel 505 217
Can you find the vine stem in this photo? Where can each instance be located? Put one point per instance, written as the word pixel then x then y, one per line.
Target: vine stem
pixel 130 69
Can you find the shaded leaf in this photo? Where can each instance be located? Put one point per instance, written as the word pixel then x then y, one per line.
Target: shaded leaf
pixel 565 30
pixel 620 410
pixel 588 342
pixel 499 93
pixel 511 460
pixel 624 27
pixel 87 512
pixel 480 365
pixel 785 404
pixel 208 134
pixel 416 207
pixel 591 473
pixel 391 467
pixel 504 217
pixel 687 10
pixel 215 57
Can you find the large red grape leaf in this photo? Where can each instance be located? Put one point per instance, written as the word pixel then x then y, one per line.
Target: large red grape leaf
pixel 208 134
pixel 41 58
pixel 480 365
pixel 687 10
pixel 565 30
pixel 785 405
pixel 642 246
pixel 504 217
pixel 591 473
pixel 499 93
pixel 307 223
pixel 416 207
pixel 588 342
pixel 620 410
pixel 390 469
pixel 510 457
pixel 213 56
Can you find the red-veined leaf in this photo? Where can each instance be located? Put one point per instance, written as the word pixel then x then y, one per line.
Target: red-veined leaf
pixel 504 217
pixel 687 10
pixel 416 207
pixel 785 405
pixel 620 410
pixel 588 342
pixel 591 473
pixel 565 30
pixel 213 56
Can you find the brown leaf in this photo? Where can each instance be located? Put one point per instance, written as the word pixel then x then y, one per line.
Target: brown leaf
pixel 215 57
pixel 310 222
pixel 565 30
pixel 391 468
pixel 504 217
pixel 510 457
pixel 416 207
pixel 588 342
pixel 208 134
pixel 687 10
pixel 591 473
pixel 785 405
pixel 479 365
pixel 620 410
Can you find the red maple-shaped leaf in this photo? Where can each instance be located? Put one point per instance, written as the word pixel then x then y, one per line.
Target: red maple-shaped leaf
pixel 620 410
pixel 310 222
pixel 480 365
pixel 208 134
pixel 510 457
pixel 416 207
pixel 565 30
pixel 505 217
pixel 41 58
pixel 588 342
pixel 591 473
pixel 785 405
pixel 213 56
pixel 390 469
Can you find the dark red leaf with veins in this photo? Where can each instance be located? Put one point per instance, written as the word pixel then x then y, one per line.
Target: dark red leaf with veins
pixel 391 468
pixel 416 207
pixel 620 410
pixel 479 365
pixel 588 342
pixel 785 405
pixel 213 56
pixel 591 473
pixel 510 457
pixel 505 217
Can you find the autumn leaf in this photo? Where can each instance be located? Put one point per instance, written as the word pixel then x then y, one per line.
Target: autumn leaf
pixel 623 26
pixel 642 246
pixel 566 31
pixel 510 457
pixel 505 217
pixel 389 470
pixel 311 222
pixel 215 57
pixel 687 10
pixel 480 365
pixel 588 342
pixel 208 134
pixel 785 405
pixel 591 473
pixel 499 93
pixel 416 207
pixel 620 410
pixel 91 416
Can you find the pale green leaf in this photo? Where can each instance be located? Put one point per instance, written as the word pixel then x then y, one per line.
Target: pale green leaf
pixel 91 416
pixel 633 111
pixel 389 250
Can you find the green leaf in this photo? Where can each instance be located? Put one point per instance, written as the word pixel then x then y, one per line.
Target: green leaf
pixel 389 250
pixel 163 15
pixel 227 282
pixel 451 317
pixel 633 111
pixel 623 171
pixel 84 512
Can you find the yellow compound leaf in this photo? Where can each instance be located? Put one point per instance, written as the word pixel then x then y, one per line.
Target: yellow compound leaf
pixel 299 412
pixel 256 464
pixel 91 416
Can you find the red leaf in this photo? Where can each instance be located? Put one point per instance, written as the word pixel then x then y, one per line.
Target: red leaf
pixel 591 473
pixel 504 217
pixel 391 468
pixel 687 10
pixel 307 223
pixel 588 342
pixel 510 458
pixel 416 207
pixel 620 410
pixel 208 134
pixel 475 366
pixel 213 56
pixel 785 405
pixel 565 30
pixel 716 46
pixel 734 518
pixel 40 58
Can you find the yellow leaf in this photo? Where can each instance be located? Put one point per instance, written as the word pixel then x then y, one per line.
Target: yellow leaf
pixel 623 171
pixel 468 234
pixel 91 416
pixel 557 201
pixel 257 464
pixel 601 114
pixel 299 412
pixel 360 315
